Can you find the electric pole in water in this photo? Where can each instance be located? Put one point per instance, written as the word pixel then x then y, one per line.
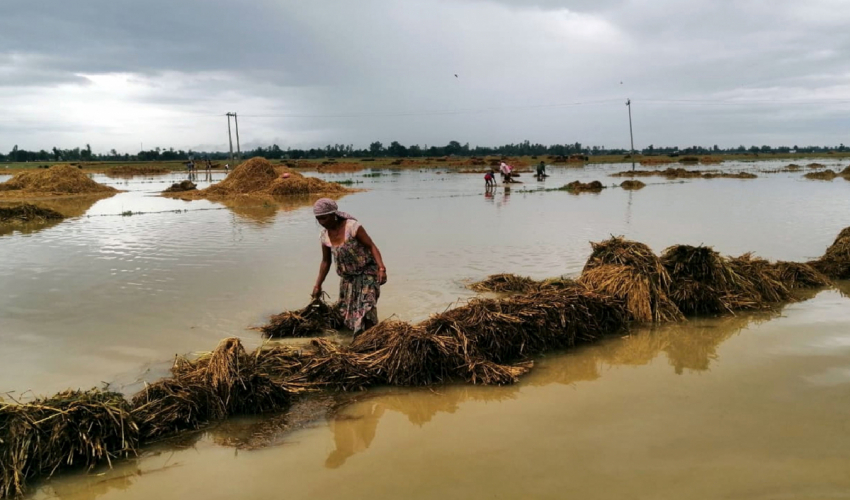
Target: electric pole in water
pixel 631 135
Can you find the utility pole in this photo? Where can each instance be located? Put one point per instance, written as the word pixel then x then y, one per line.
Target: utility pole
pixel 631 135
pixel 238 149
pixel 229 136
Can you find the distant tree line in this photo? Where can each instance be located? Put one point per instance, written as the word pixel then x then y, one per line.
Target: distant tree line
pixel 395 149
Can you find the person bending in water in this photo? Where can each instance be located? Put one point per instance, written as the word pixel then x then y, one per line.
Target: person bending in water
pixel 489 180
pixel 541 171
pixel 358 263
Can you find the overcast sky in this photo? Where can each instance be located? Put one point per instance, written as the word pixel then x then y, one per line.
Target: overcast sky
pixel 116 73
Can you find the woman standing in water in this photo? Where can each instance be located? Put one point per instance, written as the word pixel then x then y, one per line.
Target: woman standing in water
pixel 358 263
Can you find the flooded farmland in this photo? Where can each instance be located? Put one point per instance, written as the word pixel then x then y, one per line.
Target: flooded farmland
pixel 744 406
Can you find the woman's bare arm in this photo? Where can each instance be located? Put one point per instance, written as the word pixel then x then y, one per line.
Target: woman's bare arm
pixel 324 267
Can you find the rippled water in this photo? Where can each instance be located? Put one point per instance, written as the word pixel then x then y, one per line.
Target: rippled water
pixel 694 407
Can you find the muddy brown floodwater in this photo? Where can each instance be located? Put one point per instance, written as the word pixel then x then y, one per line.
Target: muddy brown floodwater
pixel 749 406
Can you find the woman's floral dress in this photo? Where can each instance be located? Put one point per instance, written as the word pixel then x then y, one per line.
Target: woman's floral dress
pixel 359 287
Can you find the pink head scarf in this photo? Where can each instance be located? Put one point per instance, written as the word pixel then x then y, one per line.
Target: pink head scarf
pixel 326 206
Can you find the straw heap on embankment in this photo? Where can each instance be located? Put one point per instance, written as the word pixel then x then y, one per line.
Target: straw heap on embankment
pixel 485 341
pixel 258 178
pixel 59 180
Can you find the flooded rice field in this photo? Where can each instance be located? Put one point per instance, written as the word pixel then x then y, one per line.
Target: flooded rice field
pixel 749 406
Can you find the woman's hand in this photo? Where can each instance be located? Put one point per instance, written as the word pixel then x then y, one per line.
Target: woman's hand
pixel 317 292
pixel 382 276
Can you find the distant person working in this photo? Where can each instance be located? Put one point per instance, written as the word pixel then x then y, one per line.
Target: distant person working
pixel 541 171
pixel 506 171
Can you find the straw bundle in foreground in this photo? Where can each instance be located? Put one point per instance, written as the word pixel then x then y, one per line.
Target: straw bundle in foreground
pixel 795 275
pixel 835 263
pixel 314 320
pixel 513 328
pixel 227 381
pixel 632 273
pixel 760 279
pixel 702 282
pixel 72 428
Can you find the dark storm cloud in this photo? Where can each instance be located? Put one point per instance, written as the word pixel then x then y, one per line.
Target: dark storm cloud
pixel 342 71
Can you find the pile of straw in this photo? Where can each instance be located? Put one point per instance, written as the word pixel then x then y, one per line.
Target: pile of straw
pixel 577 187
pixel 761 279
pixel 315 319
pixel 815 165
pixel 513 328
pixel 835 263
pixel 28 213
pixel 55 181
pixel 632 273
pixel 793 167
pixel 179 187
pixel 72 428
pixel 258 178
pixel 702 282
pixel 227 381
pixel 504 283
pixel 825 175
pixel 797 275
pixel 632 185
